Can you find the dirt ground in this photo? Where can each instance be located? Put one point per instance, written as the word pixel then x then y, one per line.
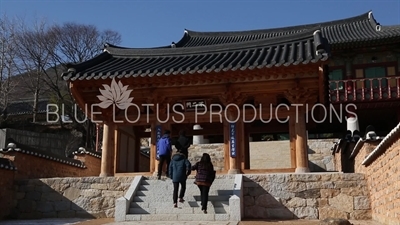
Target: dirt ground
pixel 110 221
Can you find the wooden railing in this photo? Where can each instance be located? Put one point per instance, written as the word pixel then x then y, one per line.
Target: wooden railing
pixel 366 89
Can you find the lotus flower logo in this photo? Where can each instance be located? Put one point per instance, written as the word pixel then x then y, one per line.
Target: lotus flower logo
pixel 116 94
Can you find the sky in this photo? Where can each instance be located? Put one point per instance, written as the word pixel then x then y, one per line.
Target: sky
pixel 158 23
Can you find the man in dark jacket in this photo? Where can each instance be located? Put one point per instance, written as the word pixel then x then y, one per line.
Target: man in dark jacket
pixel 179 169
pixel 164 150
pixel 183 143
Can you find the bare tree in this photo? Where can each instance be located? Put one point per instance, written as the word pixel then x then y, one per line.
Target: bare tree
pixel 7 65
pixel 31 45
pixel 75 43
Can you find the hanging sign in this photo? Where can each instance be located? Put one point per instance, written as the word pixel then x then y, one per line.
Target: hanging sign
pixel 190 105
pixel 232 139
pixel 158 137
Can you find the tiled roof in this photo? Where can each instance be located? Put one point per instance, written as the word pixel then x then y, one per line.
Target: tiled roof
pixel 205 52
pixel 25 107
pixel 355 29
pixel 300 48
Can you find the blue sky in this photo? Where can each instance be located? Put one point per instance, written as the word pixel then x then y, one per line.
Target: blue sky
pixel 157 23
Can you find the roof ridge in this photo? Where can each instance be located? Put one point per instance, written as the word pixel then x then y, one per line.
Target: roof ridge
pixel 214 48
pixel 363 16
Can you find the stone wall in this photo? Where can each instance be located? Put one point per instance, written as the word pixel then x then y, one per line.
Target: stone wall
pixel 56 144
pixel 6 191
pixel 320 155
pixel 216 152
pixel 306 196
pixel 383 180
pixel 271 154
pixel 86 197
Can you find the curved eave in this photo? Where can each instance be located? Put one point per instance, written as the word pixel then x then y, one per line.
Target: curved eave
pixel 362 28
pixel 195 38
pixel 125 63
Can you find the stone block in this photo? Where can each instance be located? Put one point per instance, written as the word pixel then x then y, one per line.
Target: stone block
pixel 99 186
pixel 342 202
pixel 329 193
pixel 312 202
pixel 121 207
pixel 66 214
pixel 90 193
pixel 306 212
pixel 248 200
pixel 33 195
pixel 44 207
pixel 311 193
pixel 255 212
pixel 296 202
pixel 361 202
pixel 62 205
pixel 267 201
pixel 234 208
pixel 361 215
pixel 331 212
pixel 72 193
pixel 280 213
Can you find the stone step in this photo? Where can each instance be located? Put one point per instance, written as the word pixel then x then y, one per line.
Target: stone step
pixel 186 204
pixel 188 192
pixel 188 181
pixel 170 188
pixel 179 210
pixel 177 217
pixel 167 198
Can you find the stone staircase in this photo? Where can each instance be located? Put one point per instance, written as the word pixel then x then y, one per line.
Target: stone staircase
pixel 152 201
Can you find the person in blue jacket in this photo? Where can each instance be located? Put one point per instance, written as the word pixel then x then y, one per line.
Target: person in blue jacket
pixel 179 170
pixel 164 151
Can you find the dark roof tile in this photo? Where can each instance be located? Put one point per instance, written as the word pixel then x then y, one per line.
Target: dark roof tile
pixel 199 52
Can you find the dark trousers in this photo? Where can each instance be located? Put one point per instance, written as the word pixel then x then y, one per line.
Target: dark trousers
pixel 181 193
pixel 204 196
pixel 163 158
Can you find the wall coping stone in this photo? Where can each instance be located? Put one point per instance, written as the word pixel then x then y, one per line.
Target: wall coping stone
pixel 360 144
pixel 45 155
pixel 85 152
pixel 7 164
pixel 383 146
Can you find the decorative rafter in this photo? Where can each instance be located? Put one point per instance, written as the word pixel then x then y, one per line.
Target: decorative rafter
pixel 301 95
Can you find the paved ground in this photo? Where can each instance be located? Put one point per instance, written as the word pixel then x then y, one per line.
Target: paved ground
pixel 110 221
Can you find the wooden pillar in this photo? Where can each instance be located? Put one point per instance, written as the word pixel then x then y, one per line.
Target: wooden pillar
pixel 234 144
pixel 153 160
pixel 301 142
pixel 292 138
pixel 107 154
pixel 116 149
pixel 226 145
pixel 246 148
